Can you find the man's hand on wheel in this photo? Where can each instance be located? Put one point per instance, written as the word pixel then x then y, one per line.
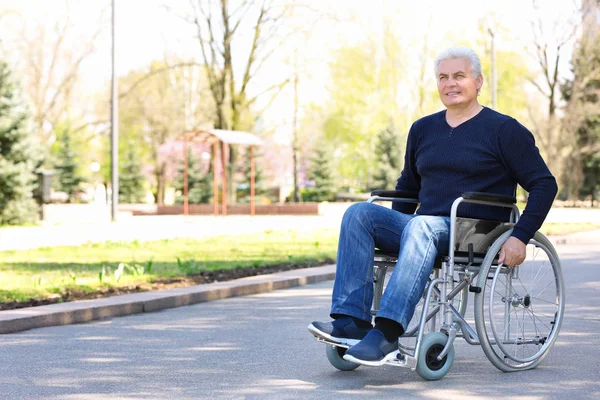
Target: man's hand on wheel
pixel 512 252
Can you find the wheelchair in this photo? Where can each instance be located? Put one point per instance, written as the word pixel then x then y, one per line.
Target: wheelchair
pixel 517 311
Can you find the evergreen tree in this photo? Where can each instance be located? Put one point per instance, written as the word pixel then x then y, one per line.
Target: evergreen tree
pixel 319 172
pixel 389 159
pixel 19 155
pixel 199 184
pixel 67 167
pixel 131 179
pixel 582 92
pixel 591 182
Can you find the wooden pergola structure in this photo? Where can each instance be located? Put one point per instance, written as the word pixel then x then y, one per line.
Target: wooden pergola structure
pixel 220 139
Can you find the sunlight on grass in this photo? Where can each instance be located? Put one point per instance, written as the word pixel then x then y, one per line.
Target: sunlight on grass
pixel 47 272
pixel 42 272
pixel 555 228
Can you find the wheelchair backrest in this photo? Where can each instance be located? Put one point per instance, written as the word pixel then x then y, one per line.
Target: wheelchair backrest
pixel 479 232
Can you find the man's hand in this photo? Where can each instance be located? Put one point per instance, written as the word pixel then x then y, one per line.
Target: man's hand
pixel 512 252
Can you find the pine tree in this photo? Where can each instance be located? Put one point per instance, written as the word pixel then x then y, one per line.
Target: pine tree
pixel 583 93
pixel 319 172
pixel 131 179
pixel 67 167
pixel 19 155
pixel 591 182
pixel 199 183
pixel 389 159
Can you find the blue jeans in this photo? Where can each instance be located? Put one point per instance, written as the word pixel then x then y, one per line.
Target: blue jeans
pixel 416 238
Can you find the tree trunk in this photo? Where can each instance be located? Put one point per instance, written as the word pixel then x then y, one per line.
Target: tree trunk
pixel 160 184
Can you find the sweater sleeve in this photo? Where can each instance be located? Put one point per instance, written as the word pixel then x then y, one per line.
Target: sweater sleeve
pixel 409 179
pixel 523 159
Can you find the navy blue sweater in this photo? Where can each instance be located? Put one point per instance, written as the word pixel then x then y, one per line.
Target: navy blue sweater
pixel 489 153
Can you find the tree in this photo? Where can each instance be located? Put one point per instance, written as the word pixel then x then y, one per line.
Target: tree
pixel 549 46
pixel 131 179
pixel 19 155
pixel 319 174
pixel 67 166
pixel 221 27
pixel 51 55
pixel 582 117
pixel 389 157
pixel 591 181
pixel 162 101
pixel 199 182
pixel 512 74
pixel 365 82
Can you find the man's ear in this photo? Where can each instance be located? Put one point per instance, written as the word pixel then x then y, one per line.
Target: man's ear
pixel 479 81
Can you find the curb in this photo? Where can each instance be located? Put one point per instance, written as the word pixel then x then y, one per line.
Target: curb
pixel 12 321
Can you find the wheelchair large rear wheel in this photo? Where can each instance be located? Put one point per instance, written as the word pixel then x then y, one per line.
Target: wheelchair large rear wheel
pixel 519 310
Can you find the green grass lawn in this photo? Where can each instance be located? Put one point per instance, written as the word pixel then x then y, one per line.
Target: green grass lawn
pixel 555 228
pixel 48 272
pixel 45 272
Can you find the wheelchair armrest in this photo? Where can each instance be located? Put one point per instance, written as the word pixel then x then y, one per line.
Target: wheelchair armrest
pixel 496 198
pixel 395 194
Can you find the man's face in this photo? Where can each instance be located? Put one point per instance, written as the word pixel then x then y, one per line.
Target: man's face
pixel 456 85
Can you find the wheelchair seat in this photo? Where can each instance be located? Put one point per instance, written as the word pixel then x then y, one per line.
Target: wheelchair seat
pixel 475 234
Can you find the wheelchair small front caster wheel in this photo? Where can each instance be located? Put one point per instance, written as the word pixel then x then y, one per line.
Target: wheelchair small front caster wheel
pixel 335 356
pixel 428 366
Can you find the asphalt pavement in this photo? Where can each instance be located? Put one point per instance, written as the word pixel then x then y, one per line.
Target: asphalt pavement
pixel 257 346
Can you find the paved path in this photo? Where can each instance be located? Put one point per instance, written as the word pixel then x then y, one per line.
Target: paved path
pixel 257 347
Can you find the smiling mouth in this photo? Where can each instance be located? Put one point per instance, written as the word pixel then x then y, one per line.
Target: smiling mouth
pixel 453 93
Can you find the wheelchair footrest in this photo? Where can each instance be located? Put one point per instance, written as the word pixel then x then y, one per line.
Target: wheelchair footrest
pixel 326 341
pixel 403 360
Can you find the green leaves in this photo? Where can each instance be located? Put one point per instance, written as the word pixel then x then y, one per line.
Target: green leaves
pixel 365 82
pixel 19 155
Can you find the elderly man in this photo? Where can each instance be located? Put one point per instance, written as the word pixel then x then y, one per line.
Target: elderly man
pixel 465 148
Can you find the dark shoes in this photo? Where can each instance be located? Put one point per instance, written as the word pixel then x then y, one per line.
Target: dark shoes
pixel 374 350
pixel 342 330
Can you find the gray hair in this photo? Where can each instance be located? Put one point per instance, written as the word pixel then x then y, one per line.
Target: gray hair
pixel 459 52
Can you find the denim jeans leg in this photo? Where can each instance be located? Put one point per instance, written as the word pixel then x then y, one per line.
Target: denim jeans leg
pixel 422 239
pixel 364 227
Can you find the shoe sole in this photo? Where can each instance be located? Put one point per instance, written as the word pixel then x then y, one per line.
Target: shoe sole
pixel 320 334
pixel 388 357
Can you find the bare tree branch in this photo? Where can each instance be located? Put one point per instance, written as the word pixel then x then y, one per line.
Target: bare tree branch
pixel 69 78
pixel 278 86
pixel 55 53
pixel 251 56
pixel 537 86
pixel 154 72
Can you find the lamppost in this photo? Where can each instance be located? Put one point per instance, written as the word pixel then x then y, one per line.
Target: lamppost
pixel 494 79
pixel 114 128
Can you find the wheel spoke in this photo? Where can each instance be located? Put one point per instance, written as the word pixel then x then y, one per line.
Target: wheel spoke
pixel 535 280
pixel 546 287
pixel 518 307
pixel 542 322
pixel 545 301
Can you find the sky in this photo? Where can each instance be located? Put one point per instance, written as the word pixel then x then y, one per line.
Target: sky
pixel 146 31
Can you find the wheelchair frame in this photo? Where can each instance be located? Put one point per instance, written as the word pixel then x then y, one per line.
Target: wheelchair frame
pixel 445 288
